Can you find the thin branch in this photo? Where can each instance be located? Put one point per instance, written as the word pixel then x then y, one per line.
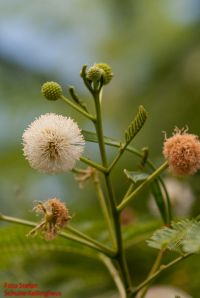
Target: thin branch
pixel 77 108
pixel 93 164
pixel 104 204
pixel 116 144
pixel 80 240
pixel 115 215
pixel 77 99
pixel 115 275
pixel 152 271
pixel 149 179
pixel 157 273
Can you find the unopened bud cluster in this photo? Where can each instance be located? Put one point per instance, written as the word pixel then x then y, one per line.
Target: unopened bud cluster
pixel 100 71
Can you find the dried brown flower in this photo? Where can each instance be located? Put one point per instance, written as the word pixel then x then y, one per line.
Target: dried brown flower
pixel 182 152
pixel 83 175
pixel 55 214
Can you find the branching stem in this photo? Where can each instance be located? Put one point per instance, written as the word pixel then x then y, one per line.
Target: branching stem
pixel 157 273
pixel 150 178
pixel 78 108
pixel 120 258
pixel 93 164
pixel 152 271
pixel 81 239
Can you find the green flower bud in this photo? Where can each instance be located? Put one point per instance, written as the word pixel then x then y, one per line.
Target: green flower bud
pixel 51 90
pixel 107 72
pixel 94 73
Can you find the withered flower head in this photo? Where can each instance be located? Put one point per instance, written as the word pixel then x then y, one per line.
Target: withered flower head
pixel 182 152
pixel 55 216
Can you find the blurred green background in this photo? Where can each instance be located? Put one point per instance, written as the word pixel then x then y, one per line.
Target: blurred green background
pixel 153 48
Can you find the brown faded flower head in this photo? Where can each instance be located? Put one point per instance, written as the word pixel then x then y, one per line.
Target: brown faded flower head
pixel 182 152
pixel 55 216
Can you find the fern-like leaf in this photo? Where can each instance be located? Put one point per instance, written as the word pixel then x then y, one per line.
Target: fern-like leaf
pixel 176 238
pixel 136 125
pixel 192 243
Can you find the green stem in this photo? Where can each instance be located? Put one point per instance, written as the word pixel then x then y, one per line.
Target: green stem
pixel 157 273
pixel 129 190
pixel 91 240
pixel 117 157
pixel 151 177
pixel 116 144
pixel 115 275
pixel 152 271
pixel 77 108
pixel 99 129
pixel 94 245
pixel 118 234
pixel 112 205
pixel 104 208
pixel 93 164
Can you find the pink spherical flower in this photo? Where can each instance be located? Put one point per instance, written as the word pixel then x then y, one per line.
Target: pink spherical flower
pixel 182 152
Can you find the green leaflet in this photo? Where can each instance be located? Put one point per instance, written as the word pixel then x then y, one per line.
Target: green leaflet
pixel 135 176
pixel 136 125
pixel 182 236
pixel 160 201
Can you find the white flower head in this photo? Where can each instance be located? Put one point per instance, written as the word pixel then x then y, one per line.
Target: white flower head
pixel 52 143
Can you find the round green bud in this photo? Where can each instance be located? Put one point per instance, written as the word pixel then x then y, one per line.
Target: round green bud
pixel 107 72
pixel 51 90
pixel 94 73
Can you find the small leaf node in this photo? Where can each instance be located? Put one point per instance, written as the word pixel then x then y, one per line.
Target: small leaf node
pixel 76 98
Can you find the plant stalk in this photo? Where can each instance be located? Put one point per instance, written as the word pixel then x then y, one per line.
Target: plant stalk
pixel 79 109
pixel 157 273
pixel 89 242
pixel 104 208
pixel 152 177
pixel 152 271
pixel 93 164
pixel 120 258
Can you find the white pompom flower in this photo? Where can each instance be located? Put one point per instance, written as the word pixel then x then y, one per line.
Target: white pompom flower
pixel 52 143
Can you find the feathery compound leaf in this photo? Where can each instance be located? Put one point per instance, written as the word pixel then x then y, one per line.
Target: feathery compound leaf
pixel 192 243
pixel 136 125
pixel 175 238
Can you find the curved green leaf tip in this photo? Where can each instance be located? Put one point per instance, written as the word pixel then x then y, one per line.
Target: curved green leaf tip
pixel 136 125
